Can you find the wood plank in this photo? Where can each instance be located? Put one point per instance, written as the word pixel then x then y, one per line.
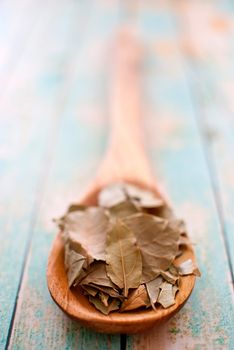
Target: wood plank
pixel 75 149
pixel 177 154
pixel 28 117
pixel 18 21
pixel 213 86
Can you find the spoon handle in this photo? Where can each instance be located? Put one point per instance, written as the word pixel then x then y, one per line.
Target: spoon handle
pixel 125 157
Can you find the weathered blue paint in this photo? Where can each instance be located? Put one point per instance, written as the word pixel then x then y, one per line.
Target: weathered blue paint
pixel 54 129
pixel 67 168
pixel 207 319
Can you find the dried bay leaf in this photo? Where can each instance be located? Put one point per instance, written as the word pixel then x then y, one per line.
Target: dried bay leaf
pixel 113 305
pixel 175 289
pixel 74 263
pixel 112 195
pixel 166 296
pixel 123 209
pixel 164 212
pixel 76 207
pixel 97 275
pixel 137 298
pixel 157 240
pixel 153 289
pixel 104 298
pixel 169 277
pixel 114 293
pixel 88 228
pixel 123 258
pixel 90 290
pixel 188 267
pixel 146 199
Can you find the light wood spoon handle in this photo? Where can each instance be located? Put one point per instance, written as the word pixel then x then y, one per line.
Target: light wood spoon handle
pixel 125 158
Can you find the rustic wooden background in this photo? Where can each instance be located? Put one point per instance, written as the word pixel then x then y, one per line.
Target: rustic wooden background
pixel 54 126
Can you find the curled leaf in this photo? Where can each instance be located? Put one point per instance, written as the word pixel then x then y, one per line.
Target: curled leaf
pixel 153 289
pixel 104 298
pixel 96 275
pixel 74 263
pixel 169 277
pixel 113 305
pixel 112 292
pixel 123 258
pixel 188 267
pixel 157 240
pixel 87 228
pixel 145 198
pixel 137 298
pixel 123 209
pixel 112 195
pixel 90 290
pixel 166 296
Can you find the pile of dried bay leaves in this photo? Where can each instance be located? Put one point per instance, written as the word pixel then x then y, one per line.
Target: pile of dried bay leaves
pixel 121 252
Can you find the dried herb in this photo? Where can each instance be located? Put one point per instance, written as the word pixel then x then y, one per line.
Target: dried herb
pixel 188 267
pixel 112 195
pixel 123 258
pixel 113 305
pixel 88 228
pixel 166 296
pixel 158 242
pixel 74 263
pixel 123 209
pixel 136 299
pixel 122 253
pixel 145 198
pixel 153 289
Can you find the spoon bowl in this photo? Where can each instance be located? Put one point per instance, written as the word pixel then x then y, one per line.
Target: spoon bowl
pixel 76 305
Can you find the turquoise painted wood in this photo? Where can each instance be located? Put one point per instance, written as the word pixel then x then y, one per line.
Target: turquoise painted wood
pixel 54 121
pixel 67 169
pixel 23 144
pixel 178 156
pixel 212 84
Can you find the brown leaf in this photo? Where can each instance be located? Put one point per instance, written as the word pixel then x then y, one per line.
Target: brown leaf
pixel 137 298
pixel 145 198
pixel 114 293
pixel 179 225
pixel 111 195
pixel 166 296
pixel 76 207
pixel 175 289
pixel 74 263
pixel 104 298
pixel 123 209
pixel 169 277
pixel 153 289
pixel 97 275
pixel 123 258
pixel 87 228
pixel 188 267
pixel 157 240
pixel 113 305
pixel 90 290
pixel 164 212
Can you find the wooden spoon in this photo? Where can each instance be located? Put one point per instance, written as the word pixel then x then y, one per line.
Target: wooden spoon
pixel 126 161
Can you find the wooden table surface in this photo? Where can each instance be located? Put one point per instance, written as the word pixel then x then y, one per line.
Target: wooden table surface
pixel 54 127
